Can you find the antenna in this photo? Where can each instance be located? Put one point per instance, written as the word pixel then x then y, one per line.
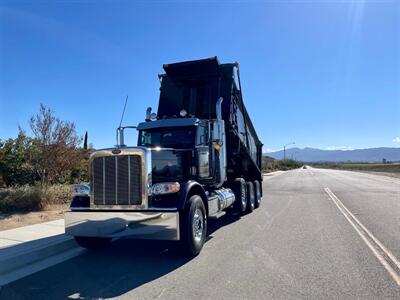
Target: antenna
pixel 123 112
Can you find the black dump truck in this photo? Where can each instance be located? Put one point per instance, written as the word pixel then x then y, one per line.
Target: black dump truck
pixel 196 159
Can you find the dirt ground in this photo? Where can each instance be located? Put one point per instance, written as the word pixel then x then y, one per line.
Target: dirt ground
pixel 395 175
pixel 14 220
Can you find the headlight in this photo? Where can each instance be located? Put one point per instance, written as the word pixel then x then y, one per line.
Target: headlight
pixel 80 190
pixel 165 188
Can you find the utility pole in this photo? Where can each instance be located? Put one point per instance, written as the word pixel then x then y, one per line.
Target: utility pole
pixel 284 149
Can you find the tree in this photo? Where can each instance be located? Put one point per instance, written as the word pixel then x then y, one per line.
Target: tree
pixel 15 165
pixel 56 145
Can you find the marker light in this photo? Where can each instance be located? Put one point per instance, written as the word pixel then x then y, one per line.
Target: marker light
pixel 183 113
pixel 153 116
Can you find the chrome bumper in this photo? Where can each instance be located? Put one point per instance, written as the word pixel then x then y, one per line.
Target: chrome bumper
pixel 144 225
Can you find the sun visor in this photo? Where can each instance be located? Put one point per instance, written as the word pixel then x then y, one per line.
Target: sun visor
pixel 196 68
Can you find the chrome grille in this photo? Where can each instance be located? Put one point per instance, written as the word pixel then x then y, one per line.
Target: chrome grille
pixel 110 163
pixel 116 180
pixel 123 185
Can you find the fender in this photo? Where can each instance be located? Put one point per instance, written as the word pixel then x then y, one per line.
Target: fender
pixel 190 188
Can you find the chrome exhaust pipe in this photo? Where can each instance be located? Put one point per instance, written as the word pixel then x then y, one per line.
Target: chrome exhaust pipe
pixel 219 108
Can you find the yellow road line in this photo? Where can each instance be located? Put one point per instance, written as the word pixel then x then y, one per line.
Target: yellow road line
pixel 374 248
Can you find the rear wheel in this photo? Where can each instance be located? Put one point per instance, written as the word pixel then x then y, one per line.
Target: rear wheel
pixel 257 194
pixel 239 189
pixel 89 242
pixel 193 226
pixel 250 197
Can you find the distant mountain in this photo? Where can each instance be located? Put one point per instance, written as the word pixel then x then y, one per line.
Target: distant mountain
pixel 357 155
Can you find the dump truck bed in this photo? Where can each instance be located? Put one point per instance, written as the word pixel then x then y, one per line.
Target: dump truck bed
pixel 196 86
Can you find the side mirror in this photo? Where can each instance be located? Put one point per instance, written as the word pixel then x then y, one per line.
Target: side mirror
pixel 203 164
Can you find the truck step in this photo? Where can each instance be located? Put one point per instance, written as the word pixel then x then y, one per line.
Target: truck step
pixel 217 215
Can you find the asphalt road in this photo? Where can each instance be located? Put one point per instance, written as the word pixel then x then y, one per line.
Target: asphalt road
pixel 302 243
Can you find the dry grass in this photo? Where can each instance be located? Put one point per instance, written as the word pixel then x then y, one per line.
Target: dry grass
pixel 370 167
pixel 59 194
pixel 33 198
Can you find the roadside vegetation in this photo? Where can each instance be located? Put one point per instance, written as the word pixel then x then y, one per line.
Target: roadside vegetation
pixel 271 165
pixel 37 171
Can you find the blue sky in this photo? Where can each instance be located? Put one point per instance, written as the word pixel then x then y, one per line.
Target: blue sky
pixel 324 74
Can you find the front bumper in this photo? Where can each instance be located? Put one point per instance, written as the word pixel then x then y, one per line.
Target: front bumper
pixel 143 225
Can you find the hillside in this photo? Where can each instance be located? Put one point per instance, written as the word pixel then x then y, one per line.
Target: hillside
pixel 357 155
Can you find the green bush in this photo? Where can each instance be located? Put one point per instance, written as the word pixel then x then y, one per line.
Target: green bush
pixel 15 161
pixel 288 164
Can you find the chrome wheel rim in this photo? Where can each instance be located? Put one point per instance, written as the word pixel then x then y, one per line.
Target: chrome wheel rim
pixel 198 225
pixel 243 198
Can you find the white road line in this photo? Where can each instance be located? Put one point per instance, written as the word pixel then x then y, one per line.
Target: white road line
pixel 374 248
pixel 383 248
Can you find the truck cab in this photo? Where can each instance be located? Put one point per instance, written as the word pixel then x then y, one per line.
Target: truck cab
pixel 196 158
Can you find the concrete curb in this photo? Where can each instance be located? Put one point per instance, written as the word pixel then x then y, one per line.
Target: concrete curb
pixel 27 257
pixel 273 173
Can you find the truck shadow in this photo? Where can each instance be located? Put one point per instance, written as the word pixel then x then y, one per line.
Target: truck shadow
pixel 214 225
pixel 106 273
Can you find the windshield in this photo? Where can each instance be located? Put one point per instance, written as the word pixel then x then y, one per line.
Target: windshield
pixel 181 138
pixel 170 165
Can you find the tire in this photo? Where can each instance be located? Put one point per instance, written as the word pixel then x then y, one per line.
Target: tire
pixel 257 194
pixel 250 197
pixel 193 226
pixel 92 242
pixel 239 189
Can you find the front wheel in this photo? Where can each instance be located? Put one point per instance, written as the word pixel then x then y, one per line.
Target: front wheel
pixel 89 242
pixel 193 226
